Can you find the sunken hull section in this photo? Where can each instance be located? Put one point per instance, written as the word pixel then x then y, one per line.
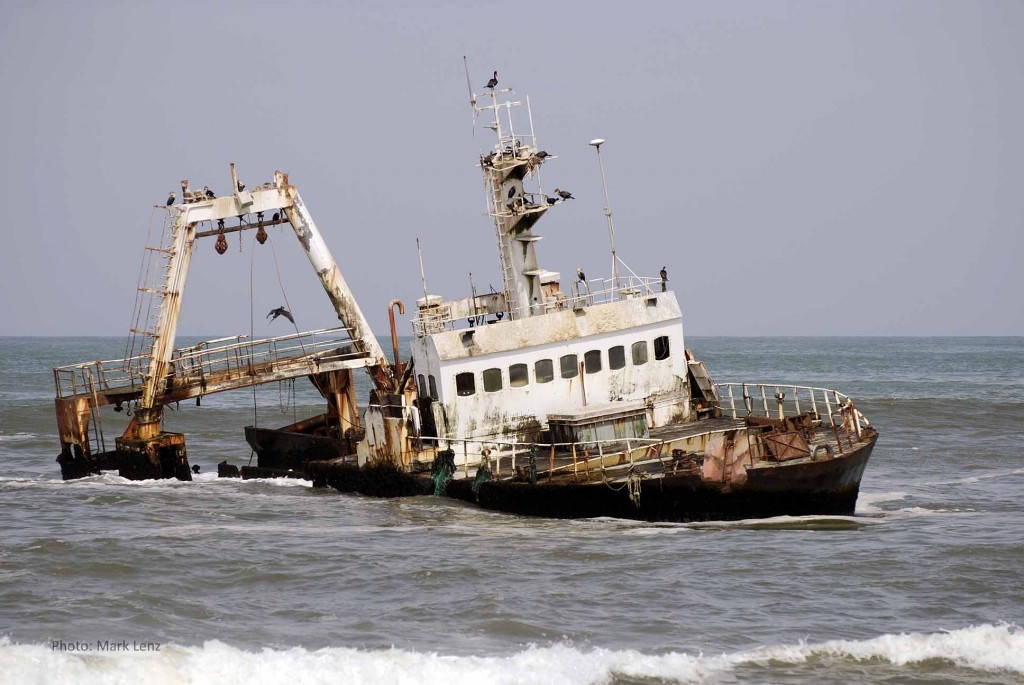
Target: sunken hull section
pixel 827 488
pixel 286 449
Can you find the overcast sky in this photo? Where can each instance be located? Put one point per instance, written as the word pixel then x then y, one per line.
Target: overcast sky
pixel 801 168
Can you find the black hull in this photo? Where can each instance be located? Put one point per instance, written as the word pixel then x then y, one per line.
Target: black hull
pixel 826 488
pixel 281 449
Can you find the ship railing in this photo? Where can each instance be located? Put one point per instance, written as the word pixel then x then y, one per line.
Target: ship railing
pixel 210 357
pixel 223 357
pixel 504 456
pixel 595 291
pixel 433 320
pixel 776 401
pixel 602 290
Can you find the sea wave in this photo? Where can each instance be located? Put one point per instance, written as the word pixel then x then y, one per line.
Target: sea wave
pixel 991 648
pixel 106 479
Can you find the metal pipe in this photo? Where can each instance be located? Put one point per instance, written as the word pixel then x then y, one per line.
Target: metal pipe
pixel 597 143
pixel 394 334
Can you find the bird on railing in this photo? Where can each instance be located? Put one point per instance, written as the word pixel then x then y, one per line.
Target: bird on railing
pixel 580 275
pixel 664 279
pixel 564 194
pixel 280 311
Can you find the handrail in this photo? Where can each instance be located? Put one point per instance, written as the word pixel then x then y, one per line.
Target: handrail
pixel 203 358
pixel 778 400
pixel 440 318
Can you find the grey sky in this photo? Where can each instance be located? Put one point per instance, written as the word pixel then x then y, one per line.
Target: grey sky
pixel 818 168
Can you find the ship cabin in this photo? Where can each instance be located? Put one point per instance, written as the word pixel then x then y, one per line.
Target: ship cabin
pixel 590 369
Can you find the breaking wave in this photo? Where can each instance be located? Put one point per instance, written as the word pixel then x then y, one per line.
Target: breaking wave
pixel 990 648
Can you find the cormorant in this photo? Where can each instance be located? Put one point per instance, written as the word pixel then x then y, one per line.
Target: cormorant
pixel 580 275
pixel 511 192
pixel 564 194
pixel 664 279
pixel 209 193
pixel 493 82
pixel 280 311
pixel 551 200
pixel 170 199
pixel 240 186
pixel 542 154
pixel 277 215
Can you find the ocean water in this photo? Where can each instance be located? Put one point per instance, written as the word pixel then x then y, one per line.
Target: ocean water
pixel 103 580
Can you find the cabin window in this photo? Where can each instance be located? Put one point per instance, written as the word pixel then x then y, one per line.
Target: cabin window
pixel 545 371
pixel 421 382
pixel 616 357
pixel 465 384
pixel 570 367
pixel 592 361
pixel 640 353
pixel 518 375
pixel 661 347
pixel 492 380
pixel 433 386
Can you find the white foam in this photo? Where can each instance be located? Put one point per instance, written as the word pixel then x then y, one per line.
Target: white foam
pixel 867 501
pixel 985 648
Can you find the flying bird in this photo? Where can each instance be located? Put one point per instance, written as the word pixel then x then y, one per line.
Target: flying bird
pixel 280 311
pixel 170 199
pixel 493 82
pixel 564 194
pixel 580 275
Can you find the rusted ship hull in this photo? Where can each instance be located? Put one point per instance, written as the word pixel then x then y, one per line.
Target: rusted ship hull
pixel 825 488
pixel 283 449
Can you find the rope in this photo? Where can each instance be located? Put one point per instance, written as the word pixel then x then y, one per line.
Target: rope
pixel 252 335
pixel 288 306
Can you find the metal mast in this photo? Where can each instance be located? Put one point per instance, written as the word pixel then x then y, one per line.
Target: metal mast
pixel 515 209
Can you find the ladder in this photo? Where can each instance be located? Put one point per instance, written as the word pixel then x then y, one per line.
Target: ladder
pixel 152 290
pixel 497 207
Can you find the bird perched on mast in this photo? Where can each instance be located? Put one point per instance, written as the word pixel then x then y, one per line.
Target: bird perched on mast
pixel 280 311
pixel 170 199
pixel 493 82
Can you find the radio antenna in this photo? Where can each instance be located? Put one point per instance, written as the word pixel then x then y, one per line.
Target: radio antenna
pixel 472 95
